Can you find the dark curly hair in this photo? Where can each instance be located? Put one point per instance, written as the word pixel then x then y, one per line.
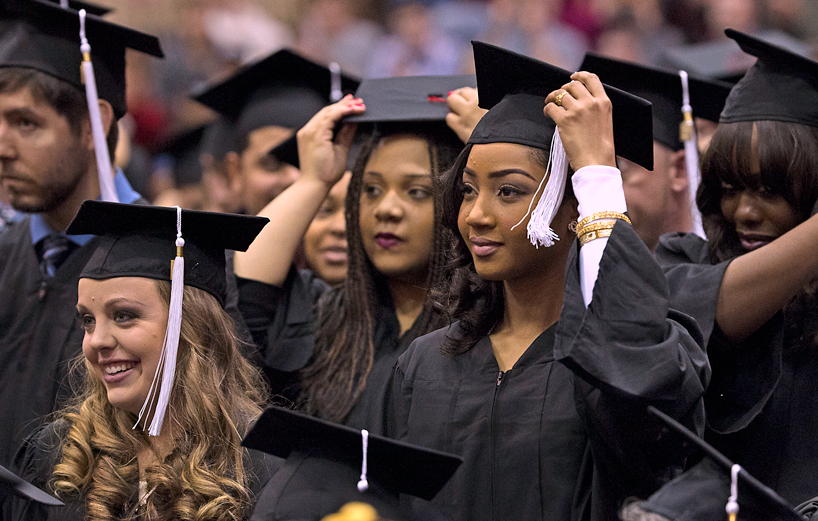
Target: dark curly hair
pixel 477 303
pixel 787 156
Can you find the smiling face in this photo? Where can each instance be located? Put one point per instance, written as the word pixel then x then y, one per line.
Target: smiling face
pixel 124 321
pixel 325 242
pixel 499 181
pixel 397 207
pixel 759 217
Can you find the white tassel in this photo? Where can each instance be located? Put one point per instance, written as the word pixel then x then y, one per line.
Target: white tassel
pixel 539 228
pixel 170 347
pixel 335 93
pixel 106 178
pixel 691 159
pixel 363 484
pixel 732 502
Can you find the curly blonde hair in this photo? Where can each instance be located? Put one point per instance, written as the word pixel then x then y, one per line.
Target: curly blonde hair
pixel 216 396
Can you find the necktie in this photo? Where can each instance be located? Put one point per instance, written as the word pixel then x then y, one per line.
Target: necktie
pixel 53 249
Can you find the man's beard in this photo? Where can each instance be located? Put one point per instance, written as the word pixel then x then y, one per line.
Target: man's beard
pixel 65 180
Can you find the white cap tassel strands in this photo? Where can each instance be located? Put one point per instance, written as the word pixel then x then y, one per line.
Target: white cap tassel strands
pixel 166 369
pixel 687 133
pixel 539 228
pixel 106 178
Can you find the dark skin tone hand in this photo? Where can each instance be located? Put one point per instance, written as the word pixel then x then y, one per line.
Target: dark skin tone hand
pixel 584 121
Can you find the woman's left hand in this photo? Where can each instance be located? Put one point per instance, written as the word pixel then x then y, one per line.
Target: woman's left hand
pixel 584 120
pixel 464 112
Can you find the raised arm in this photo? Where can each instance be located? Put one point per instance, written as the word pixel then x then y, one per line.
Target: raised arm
pixel 323 161
pixel 759 283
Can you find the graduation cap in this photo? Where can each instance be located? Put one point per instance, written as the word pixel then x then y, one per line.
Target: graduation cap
pixel 664 89
pixel 12 483
pixel 183 150
pixel 514 87
pixel 185 247
pixel 44 36
pixel 408 99
pixel 284 89
pixel 91 8
pixel 723 59
pixel 694 490
pixel 336 454
pixel 781 86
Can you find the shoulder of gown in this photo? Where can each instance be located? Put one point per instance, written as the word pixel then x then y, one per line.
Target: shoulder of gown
pixel 693 281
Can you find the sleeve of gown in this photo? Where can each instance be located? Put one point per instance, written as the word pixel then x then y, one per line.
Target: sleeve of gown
pixel 34 462
pixel 281 320
pixel 630 349
pixel 597 189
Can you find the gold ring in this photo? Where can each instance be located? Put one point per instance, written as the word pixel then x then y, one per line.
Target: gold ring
pixel 558 99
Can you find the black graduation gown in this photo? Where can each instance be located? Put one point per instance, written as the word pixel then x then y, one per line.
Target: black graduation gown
pixel 761 406
pixel 39 334
pixel 563 435
pixel 282 322
pixel 40 452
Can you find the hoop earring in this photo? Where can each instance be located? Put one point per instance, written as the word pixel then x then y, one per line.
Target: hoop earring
pixel 572 226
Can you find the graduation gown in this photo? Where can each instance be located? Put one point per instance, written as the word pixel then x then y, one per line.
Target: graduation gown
pixel 41 451
pixel 39 335
pixel 282 322
pixel 761 406
pixel 563 435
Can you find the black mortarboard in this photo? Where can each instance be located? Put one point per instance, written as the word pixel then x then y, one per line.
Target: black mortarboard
pixel 408 99
pixel 781 86
pixel 514 88
pixel 184 150
pixel 283 89
pixel 702 491
pixel 43 36
pixel 663 88
pixel 393 467
pixel 139 241
pixel 723 59
pixel 90 8
pixel 12 483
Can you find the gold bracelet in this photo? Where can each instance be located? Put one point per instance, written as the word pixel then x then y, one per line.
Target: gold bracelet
pixel 590 236
pixel 603 215
pixel 602 225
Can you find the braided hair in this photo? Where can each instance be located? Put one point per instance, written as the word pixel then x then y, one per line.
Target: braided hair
pixel 344 344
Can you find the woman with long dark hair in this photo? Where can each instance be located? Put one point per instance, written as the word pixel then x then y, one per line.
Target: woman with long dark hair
pixel 541 384
pixel 333 360
pixel 751 284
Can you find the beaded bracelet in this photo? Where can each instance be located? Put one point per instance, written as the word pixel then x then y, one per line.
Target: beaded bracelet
pixel 590 236
pixel 603 215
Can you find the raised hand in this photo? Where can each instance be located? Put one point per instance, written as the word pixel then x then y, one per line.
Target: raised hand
pixel 464 113
pixel 322 157
pixel 583 116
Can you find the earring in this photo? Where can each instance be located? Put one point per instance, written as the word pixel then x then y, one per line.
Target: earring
pixel 573 226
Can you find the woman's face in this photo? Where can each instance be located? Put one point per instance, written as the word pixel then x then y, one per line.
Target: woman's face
pixel 759 216
pixel 499 181
pixel 397 207
pixel 124 320
pixel 325 243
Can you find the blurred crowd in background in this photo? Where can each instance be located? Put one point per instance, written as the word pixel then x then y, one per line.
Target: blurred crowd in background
pixel 208 39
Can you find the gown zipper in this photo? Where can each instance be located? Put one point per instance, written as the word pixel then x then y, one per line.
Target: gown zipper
pixel 493 473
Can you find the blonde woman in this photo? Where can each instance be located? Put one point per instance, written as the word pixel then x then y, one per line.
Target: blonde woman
pixel 187 463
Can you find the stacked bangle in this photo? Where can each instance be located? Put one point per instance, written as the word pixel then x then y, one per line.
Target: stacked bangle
pixel 603 215
pixel 588 229
pixel 590 236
